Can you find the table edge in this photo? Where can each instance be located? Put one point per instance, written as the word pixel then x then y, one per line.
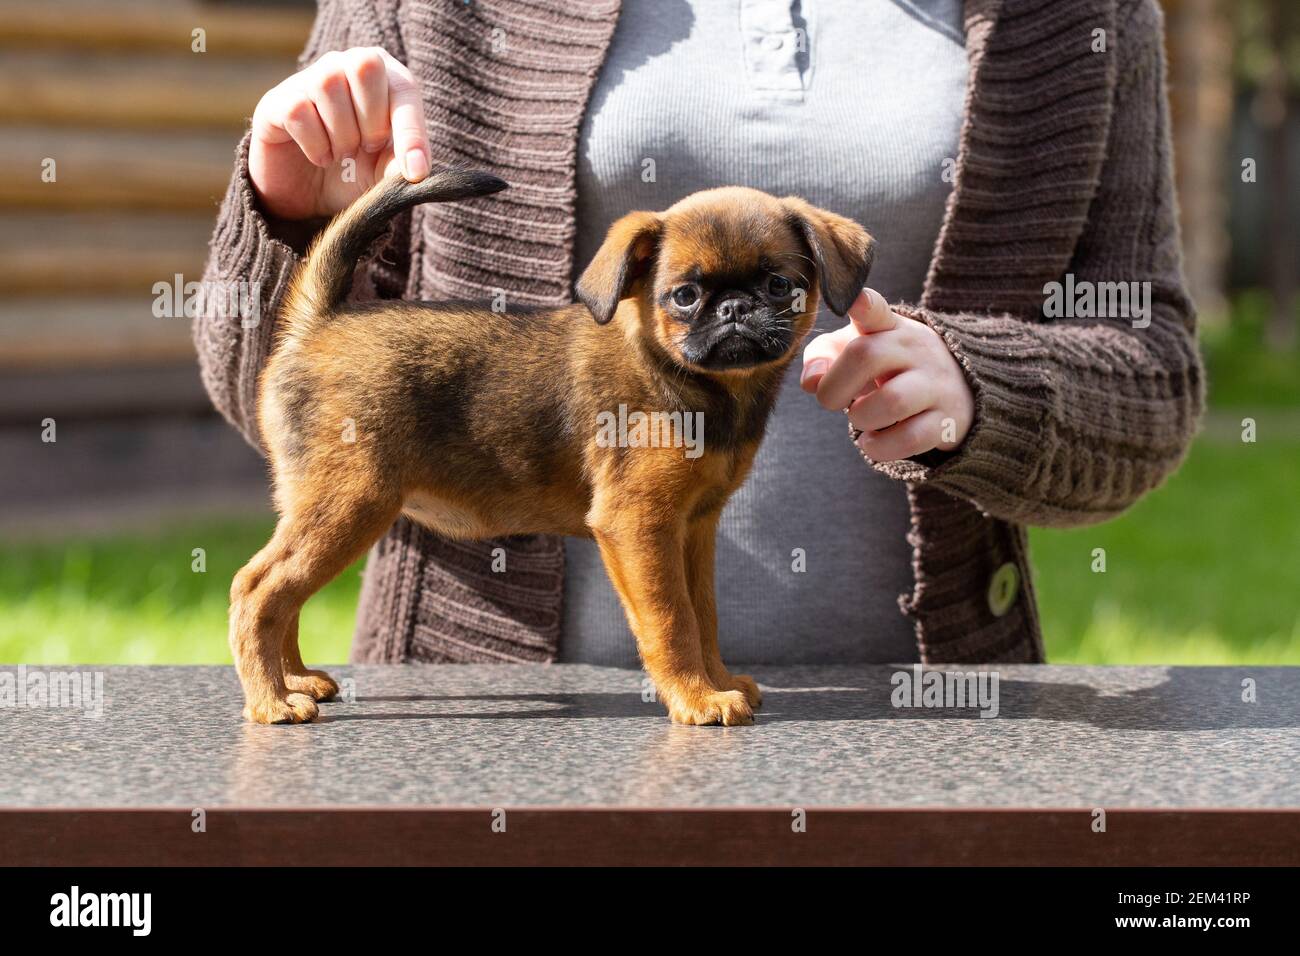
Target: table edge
pixel 648 836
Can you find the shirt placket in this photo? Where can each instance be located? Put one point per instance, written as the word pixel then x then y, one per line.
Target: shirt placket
pixel 772 44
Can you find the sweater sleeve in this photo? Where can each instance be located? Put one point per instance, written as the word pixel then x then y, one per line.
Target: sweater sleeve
pixel 1075 419
pixel 251 253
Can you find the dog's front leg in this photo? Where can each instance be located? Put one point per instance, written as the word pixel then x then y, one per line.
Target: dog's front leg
pixel 701 541
pixel 645 559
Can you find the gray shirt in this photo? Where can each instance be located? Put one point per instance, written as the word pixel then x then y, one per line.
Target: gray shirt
pixel 855 105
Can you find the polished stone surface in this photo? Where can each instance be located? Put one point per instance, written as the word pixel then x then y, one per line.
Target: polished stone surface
pixel 573 735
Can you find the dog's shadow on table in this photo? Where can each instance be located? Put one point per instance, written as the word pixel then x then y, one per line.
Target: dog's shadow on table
pixel 512 706
pixel 1168 699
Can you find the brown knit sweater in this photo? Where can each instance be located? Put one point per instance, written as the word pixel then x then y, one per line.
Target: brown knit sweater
pixel 1064 168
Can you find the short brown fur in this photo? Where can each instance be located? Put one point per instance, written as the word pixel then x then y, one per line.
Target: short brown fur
pixel 479 423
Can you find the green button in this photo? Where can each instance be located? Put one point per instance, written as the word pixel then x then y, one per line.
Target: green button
pixel 1003 589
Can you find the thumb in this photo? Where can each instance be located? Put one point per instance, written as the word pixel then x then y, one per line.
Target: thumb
pixel 871 313
pixel 406 119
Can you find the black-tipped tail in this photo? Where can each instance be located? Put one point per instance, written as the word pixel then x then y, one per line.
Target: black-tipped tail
pixel 323 280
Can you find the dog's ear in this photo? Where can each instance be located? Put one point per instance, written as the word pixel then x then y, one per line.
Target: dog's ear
pixel 624 256
pixel 841 249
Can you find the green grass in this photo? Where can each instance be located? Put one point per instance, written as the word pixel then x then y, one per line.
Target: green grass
pixel 1203 571
pixel 1243 373
pixel 134 599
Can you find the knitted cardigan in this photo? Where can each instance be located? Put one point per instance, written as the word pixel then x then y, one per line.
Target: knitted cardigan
pixel 1063 168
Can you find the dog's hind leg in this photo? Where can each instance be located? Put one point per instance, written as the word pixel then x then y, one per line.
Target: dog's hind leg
pixel 311 546
pixel 297 676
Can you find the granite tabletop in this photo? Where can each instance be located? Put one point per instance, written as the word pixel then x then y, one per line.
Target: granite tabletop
pixel 579 736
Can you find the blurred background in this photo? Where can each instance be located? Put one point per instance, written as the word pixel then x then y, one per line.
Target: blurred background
pixel 119 539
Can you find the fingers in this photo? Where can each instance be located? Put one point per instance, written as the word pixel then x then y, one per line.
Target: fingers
pixel 918 434
pixel 303 124
pixel 903 396
pixel 327 85
pixel 346 102
pixel 870 313
pixel 406 117
pixel 861 362
pixel 367 75
pixel 819 355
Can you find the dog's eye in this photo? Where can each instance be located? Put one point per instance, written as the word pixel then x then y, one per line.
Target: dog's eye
pixel 685 296
pixel 778 286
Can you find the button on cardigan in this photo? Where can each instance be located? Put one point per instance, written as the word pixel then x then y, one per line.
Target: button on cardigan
pixel 1064 168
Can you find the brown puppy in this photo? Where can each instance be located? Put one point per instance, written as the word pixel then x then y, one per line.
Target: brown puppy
pixel 479 423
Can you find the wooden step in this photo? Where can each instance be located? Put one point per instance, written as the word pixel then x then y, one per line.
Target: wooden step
pixel 232 29
pixel 130 390
pixel 99 169
pixel 123 473
pixel 179 91
pixel 50 332
pixel 99 253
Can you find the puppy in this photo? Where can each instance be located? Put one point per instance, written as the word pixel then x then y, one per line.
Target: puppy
pixel 479 423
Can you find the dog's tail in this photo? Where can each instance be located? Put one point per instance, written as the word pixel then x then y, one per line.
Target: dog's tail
pixel 323 280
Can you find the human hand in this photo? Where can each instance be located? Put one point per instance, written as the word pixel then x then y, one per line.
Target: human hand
pixel 360 105
pixel 903 388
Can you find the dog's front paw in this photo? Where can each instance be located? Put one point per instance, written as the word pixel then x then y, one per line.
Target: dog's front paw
pixel 293 709
pixel 726 707
pixel 315 684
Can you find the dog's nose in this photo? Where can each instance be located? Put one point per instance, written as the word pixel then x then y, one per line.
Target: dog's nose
pixel 734 309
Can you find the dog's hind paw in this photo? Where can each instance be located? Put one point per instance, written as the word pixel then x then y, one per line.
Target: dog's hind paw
pixel 293 709
pixel 725 680
pixel 749 687
pixel 315 684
